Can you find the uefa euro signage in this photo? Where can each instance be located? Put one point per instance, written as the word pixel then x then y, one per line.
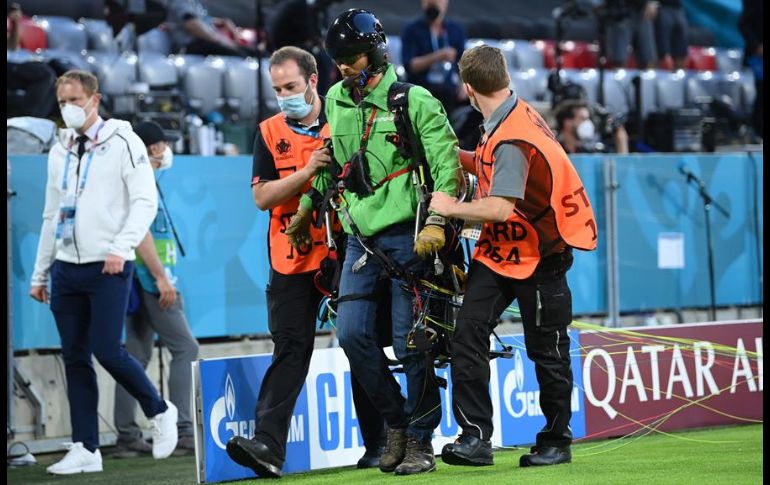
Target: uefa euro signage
pixel 324 430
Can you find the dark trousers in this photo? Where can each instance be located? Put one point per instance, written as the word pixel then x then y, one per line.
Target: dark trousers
pixel 90 311
pixel 292 302
pixel 545 302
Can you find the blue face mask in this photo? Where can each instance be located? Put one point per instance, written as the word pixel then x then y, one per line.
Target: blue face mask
pixel 295 106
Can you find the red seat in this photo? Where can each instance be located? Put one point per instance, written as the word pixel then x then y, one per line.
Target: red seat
pixel 702 58
pixel 32 36
pixel 574 55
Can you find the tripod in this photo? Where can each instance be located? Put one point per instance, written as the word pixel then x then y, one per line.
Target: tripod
pixel 708 201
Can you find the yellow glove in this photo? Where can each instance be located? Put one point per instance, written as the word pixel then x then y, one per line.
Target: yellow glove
pixel 431 238
pixel 298 230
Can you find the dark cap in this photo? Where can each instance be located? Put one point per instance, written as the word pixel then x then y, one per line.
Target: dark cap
pixel 151 133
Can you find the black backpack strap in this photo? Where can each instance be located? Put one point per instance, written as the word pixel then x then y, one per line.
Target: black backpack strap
pixel 405 140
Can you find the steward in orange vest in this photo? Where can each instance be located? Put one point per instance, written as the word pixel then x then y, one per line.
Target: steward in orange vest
pixel 287 155
pixel 533 209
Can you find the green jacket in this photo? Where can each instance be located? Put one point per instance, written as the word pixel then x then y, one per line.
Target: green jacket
pixel 396 200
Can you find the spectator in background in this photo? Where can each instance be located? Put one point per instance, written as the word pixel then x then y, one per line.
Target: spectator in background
pixel 195 32
pixel 30 85
pixel 431 48
pixel 299 23
pixel 671 35
pixel 751 27
pixel 157 309
pixel 577 133
pixel 630 23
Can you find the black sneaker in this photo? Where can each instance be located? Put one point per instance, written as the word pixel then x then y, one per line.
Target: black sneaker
pixel 546 455
pixel 395 449
pixel 254 454
pixel 419 458
pixel 468 450
pixel 371 458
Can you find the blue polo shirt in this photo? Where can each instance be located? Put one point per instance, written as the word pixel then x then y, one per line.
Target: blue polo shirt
pixel 417 40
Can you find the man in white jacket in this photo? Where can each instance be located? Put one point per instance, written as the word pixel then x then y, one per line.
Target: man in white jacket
pixel 100 201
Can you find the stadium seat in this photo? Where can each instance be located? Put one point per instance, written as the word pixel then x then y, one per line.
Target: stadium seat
pixel 729 60
pixel 701 58
pixel 588 79
pixel 525 55
pixel 531 84
pixel 701 87
pixel 240 88
pixel 729 84
pixel 72 59
pixel 126 39
pixel 99 35
pixel 157 70
pixel 522 82
pixel 155 40
pixel 617 93
pixel 183 63
pixel 669 90
pixel 63 33
pixel 271 103
pixel 19 56
pixel 574 55
pixel 203 86
pixel 116 74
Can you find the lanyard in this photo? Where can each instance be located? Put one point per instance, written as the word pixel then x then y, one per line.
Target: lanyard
pixel 435 40
pixel 88 163
pixel 303 131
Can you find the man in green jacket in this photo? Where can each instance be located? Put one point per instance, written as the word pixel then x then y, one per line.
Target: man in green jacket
pixel 380 206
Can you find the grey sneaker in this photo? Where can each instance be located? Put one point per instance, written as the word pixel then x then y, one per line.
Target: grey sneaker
pixel 185 446
pixel 132 449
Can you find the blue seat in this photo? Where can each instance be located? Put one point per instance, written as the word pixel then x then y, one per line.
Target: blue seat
pixel 240 87
pixel 63 33
pixel 99 34
pixel 669 90
pixel 155 40
pixel 157 70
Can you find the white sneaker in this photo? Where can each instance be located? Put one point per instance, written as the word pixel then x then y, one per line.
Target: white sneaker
pixel 77 460
pixel 164 432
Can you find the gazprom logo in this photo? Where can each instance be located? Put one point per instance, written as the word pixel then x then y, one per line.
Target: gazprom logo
pixel 229 397
pixel 223 412
pixel 514 381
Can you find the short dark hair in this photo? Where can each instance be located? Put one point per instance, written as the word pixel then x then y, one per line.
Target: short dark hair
pixel 566 111
pixel 484 68
pixel 304 59
pixel 86 79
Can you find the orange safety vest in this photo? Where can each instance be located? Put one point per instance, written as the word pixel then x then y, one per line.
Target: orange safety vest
pixel 291 152
pixel 555 209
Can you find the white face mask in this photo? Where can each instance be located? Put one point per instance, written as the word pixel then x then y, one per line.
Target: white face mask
pixel 167 160
pixel 586 130
pixel 74 116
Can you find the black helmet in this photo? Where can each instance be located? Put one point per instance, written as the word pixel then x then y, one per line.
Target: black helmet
pixel 354 32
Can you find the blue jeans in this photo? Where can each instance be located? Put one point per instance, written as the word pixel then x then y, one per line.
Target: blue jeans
pixel 421 412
